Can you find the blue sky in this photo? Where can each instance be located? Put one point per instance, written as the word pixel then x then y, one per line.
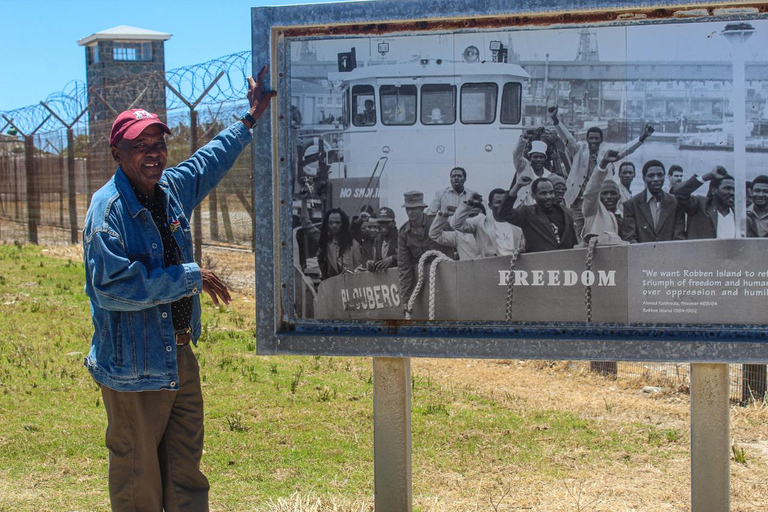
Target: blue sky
pixel 39 53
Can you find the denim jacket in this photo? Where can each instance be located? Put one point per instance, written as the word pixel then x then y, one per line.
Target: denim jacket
pixel 133 346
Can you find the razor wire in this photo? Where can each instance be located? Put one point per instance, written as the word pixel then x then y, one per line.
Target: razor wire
pixel 190 81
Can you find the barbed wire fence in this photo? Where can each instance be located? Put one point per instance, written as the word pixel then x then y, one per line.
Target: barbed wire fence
pixel 55 154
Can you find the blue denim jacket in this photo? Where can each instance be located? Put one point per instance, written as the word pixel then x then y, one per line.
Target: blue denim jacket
pixel 133 346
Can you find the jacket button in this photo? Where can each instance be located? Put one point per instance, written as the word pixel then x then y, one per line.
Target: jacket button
pixel 173 383
pixel 154 246
pixel 168 348
pixel 194 290
pixel 164 315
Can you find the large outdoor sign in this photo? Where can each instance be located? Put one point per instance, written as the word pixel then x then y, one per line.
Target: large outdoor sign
pixel 394 211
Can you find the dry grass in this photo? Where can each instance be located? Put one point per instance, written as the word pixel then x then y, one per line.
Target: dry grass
pixel 657 479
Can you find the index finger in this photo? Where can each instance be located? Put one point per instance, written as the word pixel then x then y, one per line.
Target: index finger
pixel 262 72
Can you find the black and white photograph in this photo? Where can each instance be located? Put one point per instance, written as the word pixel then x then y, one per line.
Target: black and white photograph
pixel 609 174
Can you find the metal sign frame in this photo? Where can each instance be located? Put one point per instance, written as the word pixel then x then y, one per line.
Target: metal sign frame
pixel 279 331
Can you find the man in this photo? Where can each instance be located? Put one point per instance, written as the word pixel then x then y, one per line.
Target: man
pixel 143 285
pixel 757 213
pixel 626 177
pixel 546 225
pixel 709 216
pixel 558 184
pixel 493 237
pixel 674 176
pixel 451 196
pixel 464 243
pixel 385 244
pixel 413 241
pixel 601 197
pixel 532 168
pixel 584 157
pixel 368 233
pixel 651 215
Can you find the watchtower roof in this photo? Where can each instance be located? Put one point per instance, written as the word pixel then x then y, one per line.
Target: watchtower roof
pixel 124 33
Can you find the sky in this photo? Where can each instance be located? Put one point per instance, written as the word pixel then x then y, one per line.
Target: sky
pixel 39 52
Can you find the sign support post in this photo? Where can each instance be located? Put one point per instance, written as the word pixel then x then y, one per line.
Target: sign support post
pixel 392 434
pixel 710 438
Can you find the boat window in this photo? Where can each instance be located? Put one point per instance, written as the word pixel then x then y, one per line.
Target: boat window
pixel 510 103
pixel 345 109
pixel 438 104
pixel 363 105
pixel 398 104
pixel 478 103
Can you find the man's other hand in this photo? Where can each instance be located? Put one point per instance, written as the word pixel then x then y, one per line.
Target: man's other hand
pixel 215 287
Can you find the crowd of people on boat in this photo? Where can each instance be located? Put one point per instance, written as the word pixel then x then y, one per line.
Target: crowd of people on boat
pixel 548 207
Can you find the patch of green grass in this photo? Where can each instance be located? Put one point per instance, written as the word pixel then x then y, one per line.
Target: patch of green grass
pixel 274 425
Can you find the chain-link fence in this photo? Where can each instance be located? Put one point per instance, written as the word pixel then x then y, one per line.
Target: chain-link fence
pixel 55 155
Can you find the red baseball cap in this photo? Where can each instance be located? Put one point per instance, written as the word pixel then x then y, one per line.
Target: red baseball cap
pixel 131 123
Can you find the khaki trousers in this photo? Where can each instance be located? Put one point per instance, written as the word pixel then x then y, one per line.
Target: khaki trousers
pixel 155 442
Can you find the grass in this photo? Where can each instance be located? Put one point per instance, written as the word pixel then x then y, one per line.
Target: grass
pixel 281 432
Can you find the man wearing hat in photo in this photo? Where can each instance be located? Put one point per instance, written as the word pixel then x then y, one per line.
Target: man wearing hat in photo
pixel 385 244
pixel 144 287
pixel 532 167
pixel 413 241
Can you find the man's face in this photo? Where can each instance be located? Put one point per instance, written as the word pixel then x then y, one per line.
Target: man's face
pixel 415 214
pixel 675 178
pixel 495 203
pixel 537 161
pixel 385 227
pixel 760 195
pixel 371 229
pixel 457 180
pixel 143 158
pixel 626 175
pixel 560 189
pixel 725 193
pixel 594 140
pixel 610 198
pixel 334 223
pixel 545 195
pixel 654 179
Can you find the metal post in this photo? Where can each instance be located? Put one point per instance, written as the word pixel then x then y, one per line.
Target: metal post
pixel 392 434
pixel 33 200
pixel 197 218
pixel 710 438
pixel 72 185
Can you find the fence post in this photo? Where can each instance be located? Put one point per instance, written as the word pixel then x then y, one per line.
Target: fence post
pixel 33 201
pixel 33 192
pixel 197 229
pixel 71 184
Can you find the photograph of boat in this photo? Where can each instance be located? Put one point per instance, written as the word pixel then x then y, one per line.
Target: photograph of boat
pixel 548 175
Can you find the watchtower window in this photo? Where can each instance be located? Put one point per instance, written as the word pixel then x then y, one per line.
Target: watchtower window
pixel 510 103
pixel 438 104
pixel 363 105
pixel 132 51
pixel 398 104
pixel 478 103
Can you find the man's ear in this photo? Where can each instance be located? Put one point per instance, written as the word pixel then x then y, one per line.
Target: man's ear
pixel 115 154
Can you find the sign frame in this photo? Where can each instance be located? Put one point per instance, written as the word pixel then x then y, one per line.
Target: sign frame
pixel 280 332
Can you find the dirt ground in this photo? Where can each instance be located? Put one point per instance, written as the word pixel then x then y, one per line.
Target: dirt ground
pixel 563 386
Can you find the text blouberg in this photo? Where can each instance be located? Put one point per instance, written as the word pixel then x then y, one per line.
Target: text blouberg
pixel 703 282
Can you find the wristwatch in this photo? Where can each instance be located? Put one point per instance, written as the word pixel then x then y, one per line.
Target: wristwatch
pixel 248 120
